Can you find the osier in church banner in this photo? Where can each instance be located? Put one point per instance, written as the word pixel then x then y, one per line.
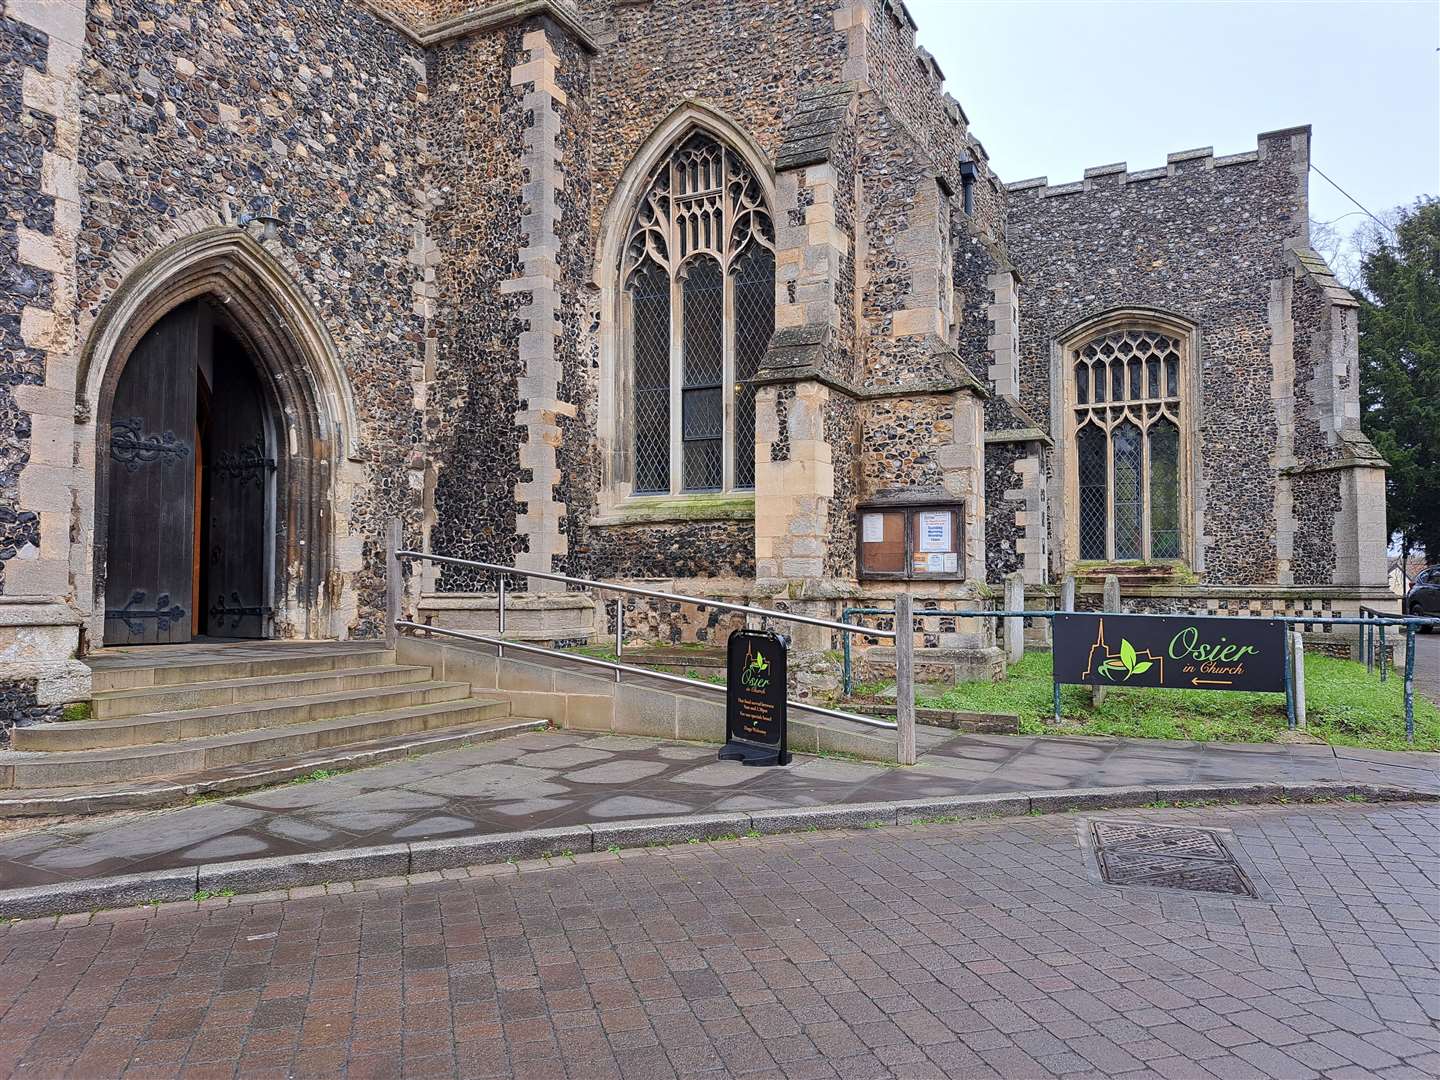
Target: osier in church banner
pixel 1176 651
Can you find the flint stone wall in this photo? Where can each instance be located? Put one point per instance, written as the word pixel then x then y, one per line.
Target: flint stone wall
pixel 20 708
pixel 750 62
pixel 308 109
pixel 1204 239
pixel 477 179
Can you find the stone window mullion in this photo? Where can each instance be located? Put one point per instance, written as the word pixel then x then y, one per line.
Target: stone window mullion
pixel 677 381
pixel 1124 385
pixel 727 384
pixel 703 209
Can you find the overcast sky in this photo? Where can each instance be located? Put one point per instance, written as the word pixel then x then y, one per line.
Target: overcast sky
pixel 1052 88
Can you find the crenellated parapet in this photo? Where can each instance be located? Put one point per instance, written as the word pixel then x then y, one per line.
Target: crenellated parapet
pixel 1182 162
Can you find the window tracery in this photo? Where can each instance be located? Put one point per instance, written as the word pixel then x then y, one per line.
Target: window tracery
pixel 698 275
pixel 1126 418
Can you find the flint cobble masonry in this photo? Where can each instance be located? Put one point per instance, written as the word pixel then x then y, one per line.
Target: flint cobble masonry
pixel 415 212
pixel 976 950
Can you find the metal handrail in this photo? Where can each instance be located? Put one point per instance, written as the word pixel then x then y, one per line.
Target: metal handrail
pixel 610 665
pixel 655 594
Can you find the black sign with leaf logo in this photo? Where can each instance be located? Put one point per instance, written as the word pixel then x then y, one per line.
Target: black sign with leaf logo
pixel 1176 651
pixel 755 682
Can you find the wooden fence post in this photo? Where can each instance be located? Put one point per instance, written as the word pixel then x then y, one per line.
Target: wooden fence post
pixel 905 679
pixel 1014 628
pixel 1111 603
pixel 1298 654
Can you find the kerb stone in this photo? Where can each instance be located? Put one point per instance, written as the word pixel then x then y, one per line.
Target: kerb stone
pixel 316 868
pixel 117 892
pixel 446 854
pixel 669 830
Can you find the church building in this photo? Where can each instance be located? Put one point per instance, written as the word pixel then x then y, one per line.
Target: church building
pixel 722 294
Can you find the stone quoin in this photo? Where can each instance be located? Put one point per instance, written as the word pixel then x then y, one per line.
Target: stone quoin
pixel 721 294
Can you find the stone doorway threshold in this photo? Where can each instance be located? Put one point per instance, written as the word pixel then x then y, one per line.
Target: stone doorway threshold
pixel 209 650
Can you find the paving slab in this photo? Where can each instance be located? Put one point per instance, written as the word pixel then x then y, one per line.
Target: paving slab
pixel 557 779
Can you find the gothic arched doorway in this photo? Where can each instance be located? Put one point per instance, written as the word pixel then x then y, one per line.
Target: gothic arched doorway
pixel 190 543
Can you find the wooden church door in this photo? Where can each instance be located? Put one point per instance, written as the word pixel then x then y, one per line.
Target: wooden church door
pixel 152 471
pixel 238 477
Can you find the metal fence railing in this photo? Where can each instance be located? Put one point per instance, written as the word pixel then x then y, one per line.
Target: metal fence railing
pixel 1373 624
pixel 1371 621
pixel 903 725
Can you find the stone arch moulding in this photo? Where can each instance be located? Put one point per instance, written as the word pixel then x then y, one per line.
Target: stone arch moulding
pixel 300 370
pixel 691 115
pixel 1062 487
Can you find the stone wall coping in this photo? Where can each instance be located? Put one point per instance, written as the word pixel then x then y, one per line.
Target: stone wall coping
pixel 518 601
pixel 1242 158
pixel 1028 434
pixel 794 357
pixel 809 134
pixel 1335 466
pixel 812 373
pixel 1233 592
pixel 651 510
pixel 1147 174
pixel 494 16
pixel 1310 264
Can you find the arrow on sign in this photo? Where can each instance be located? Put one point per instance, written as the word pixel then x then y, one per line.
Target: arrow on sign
pixel 1211 682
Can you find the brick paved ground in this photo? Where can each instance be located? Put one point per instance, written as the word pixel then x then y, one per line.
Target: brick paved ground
pixel 973 950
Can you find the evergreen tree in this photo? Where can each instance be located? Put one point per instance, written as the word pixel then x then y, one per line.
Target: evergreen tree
pixel 1400 370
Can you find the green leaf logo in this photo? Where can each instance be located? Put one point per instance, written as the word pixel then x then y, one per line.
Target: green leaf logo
pixel 1128 661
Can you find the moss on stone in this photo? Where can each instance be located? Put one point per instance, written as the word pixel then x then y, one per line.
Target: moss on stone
pixel 717 507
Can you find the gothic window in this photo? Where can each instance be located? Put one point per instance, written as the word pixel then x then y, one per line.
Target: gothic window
pixel 1126 416
pixel 698 275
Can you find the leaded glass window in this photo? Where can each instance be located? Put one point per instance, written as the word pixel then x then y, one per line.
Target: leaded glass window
pixel 699 293
pixel 1127 416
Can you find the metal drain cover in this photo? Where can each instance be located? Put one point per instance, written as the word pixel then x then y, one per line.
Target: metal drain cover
pixel 1167 857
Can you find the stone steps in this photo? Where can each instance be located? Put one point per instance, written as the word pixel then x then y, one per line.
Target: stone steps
pixel 230 719
pixel 134 669
pixel 235 713
pixel 156 793
pixel 76 768
pixel 139 701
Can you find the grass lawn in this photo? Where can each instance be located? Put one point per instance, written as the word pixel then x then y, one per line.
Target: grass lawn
pixel 1345 706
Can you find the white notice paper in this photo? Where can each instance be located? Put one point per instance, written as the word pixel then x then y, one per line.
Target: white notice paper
pixel 936 563
pixel 952 563
pixel 873 528
pixel 935 530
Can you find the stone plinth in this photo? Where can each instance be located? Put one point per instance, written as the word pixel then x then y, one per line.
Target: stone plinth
pixel 38 670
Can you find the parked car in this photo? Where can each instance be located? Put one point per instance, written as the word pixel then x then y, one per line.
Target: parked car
pixel 1424 596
